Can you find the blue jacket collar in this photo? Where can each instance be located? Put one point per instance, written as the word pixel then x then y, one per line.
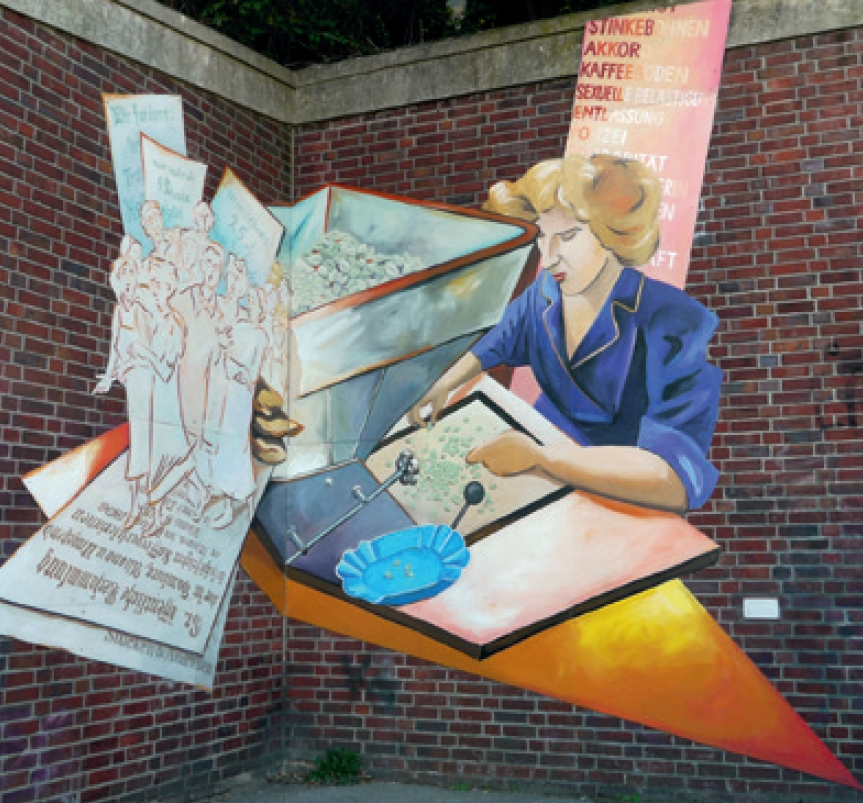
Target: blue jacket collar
pixel 625 295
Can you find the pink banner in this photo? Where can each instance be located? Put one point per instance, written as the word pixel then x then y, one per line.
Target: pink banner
pixel 647 90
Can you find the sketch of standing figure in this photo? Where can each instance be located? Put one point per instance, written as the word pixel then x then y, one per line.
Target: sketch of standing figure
pixel 244 344
pixel 201 375
pixel 261 316
pixel 170 453
pixel 195 302
pixel 124 283
pixel 131 330
pixel 192 244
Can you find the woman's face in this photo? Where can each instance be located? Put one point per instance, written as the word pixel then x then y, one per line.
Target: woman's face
pixel 212 268
pixel 151 222
pixel 163 281
pixel 203 218
pixel 236 280
pixel 570 251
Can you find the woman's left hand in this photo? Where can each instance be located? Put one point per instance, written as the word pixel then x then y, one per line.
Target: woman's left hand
pixel 508 454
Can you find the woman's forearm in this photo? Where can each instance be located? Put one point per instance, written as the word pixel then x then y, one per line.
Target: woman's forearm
pixel 113 354
pixel 113 361
pixel 626 473
pixel 461 371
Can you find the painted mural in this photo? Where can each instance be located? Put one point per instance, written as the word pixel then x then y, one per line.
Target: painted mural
pixel 138 559
pixel 467 435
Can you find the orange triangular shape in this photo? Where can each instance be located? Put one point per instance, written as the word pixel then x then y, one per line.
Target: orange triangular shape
pixel 657 658
pixel 56 484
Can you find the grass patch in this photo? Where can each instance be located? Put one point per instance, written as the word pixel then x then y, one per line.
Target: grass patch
pixel 338 766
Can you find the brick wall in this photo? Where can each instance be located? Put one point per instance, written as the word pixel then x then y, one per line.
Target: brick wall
pixel 778 258
pixel 70 726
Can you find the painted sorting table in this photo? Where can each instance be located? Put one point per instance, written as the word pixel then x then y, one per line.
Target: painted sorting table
pixel 559 554
pixel 605 660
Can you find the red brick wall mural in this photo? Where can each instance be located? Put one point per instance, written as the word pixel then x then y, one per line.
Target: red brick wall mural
pixel 356 524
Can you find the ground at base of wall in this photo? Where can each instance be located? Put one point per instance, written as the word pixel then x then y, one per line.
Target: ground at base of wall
pixel 287 787
pixel 253 789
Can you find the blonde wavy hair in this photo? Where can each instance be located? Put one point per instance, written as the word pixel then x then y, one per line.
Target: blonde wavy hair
pixel 618 199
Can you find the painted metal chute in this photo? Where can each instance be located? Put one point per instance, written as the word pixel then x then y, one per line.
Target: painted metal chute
pixel 361 361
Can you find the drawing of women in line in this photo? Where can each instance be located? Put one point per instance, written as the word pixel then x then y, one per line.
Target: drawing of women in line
pixel 131 331
pixel 244 344
pixel 621 358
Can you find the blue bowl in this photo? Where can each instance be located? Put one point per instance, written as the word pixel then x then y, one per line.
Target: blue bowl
pixel 404 566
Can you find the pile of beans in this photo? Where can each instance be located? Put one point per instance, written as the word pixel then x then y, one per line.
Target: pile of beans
pixel 339 265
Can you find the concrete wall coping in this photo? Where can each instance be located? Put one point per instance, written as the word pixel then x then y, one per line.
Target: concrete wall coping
pixel 152 34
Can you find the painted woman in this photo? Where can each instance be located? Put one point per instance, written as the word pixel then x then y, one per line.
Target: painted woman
pixel 131 330
pixel 196 303
pixel 620 358
pixel 275 366
pixel 170 453
pixel 201 374
pixel 244 343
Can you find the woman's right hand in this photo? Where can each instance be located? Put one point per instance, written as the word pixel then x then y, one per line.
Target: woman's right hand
pixel 464 369
pixel 436 398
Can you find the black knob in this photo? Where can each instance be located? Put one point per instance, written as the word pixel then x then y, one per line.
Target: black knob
pixel 474 493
